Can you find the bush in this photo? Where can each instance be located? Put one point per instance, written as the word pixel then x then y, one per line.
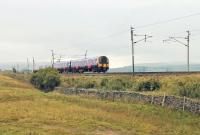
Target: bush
pixel 189 89
pixel 86 84
pixel 14 70
pixel 148 85
pixel 104 82
pixel 119 84
pixel 90 84
pixel 46 79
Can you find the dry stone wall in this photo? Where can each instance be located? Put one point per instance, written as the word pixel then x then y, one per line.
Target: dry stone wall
pixel 178 103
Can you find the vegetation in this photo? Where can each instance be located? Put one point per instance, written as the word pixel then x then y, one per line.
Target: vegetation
pixel 46 79
pixel 148 85
pixel 186 85
pixel 181 85
pixel 94 82
pixel 25 77
pixel 14 70
pixel 189 89
pixel 25 110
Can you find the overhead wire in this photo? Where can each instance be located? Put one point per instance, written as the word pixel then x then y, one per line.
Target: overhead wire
pixel 108 36
pixel 143 26
pixel 177 33
pixel 167 21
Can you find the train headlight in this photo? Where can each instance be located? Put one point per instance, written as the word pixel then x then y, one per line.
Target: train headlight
pixel 100 65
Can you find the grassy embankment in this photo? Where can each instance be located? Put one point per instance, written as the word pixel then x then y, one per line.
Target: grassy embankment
pixel 25 110
pixel 181 85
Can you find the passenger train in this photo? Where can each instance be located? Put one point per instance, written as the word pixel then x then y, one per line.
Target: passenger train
pixel 97 64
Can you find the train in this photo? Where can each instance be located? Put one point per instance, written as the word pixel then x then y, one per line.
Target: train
pixel 97 64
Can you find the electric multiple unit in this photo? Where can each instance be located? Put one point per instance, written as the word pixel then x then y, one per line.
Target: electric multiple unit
pixel 97 64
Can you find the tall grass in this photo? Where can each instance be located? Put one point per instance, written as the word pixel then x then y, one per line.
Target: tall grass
pixel 189 89
pixel 182 85
pixel 170 85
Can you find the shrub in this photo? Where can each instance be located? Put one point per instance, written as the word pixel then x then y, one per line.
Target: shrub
pixel 104 82
pixel 119 84
pixel 14 70
pixel 46 79
pixel 90 84
pixel 189 89
pixel 148 85
pixel 86 84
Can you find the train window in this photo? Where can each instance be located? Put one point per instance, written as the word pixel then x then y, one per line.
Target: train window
pixel 103 59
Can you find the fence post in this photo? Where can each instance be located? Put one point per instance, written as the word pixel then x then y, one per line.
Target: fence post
pixel 195 108
pixel 102 95
pixel 113 98
pixel 163 102
pixel 139 97
pixel 87 92
pixel 152 99
pixel 184 103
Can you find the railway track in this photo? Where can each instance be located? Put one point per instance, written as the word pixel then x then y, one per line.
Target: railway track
pixel 157 73
pixel 138 73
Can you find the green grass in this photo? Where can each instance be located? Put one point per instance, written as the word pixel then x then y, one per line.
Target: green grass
pixel 25 110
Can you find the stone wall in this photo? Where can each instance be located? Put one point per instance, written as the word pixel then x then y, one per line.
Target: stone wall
pixel 178 103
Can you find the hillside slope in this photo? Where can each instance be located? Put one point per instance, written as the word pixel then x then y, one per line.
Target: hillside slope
pixel 25 110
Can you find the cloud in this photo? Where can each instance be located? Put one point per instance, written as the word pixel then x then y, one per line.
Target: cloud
pixel 33 27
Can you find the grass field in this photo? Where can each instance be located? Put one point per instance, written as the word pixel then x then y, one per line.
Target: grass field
pixel 25 110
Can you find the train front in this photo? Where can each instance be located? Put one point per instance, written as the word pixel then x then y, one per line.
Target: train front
pixel 103 63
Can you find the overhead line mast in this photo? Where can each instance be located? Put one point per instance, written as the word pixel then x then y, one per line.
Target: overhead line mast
pixel 28 65
pixel 33 64
pixel 53 58
pixel 175 39
pixel 133 45
pixel 133 59
pixel 86 52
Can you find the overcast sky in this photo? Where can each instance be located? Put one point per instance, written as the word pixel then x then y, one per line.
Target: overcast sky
pixel 31 28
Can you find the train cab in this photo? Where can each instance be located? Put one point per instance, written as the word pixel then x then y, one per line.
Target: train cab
pixel 103 63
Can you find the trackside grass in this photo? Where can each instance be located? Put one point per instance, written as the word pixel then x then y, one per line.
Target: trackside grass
pixel 27 111
pixel 181 85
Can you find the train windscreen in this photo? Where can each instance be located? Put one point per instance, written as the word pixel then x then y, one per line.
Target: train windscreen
pixel 103 60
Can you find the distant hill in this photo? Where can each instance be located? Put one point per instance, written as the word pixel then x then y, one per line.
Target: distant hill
pixel 21 66
pixel 157 68
pixel 150 67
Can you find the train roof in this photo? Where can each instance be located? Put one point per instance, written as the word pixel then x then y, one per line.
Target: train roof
pixel 77 60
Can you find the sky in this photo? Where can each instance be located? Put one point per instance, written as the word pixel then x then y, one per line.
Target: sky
pixel 32 28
